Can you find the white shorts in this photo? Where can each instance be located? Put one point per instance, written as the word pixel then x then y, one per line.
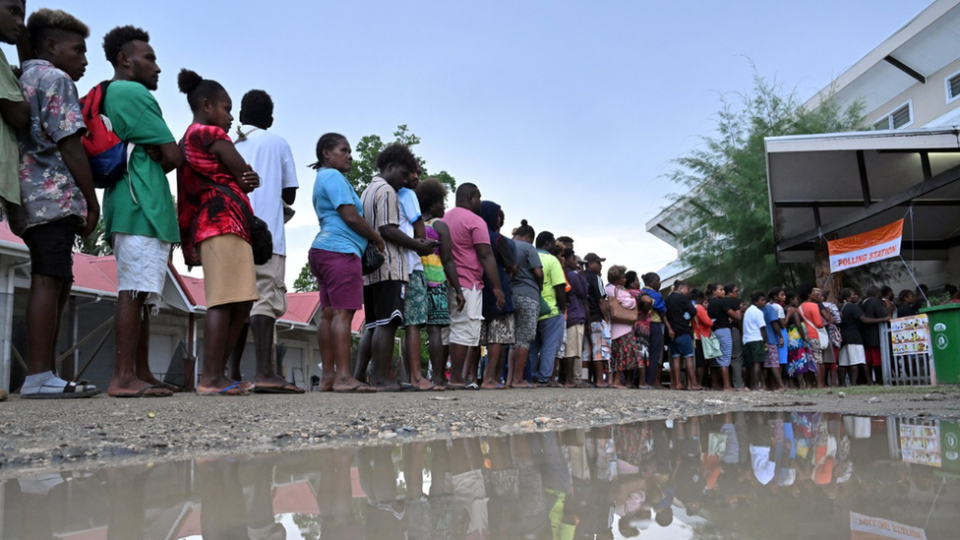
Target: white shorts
pixel 141 265
pixel 465 325
pixel 852 355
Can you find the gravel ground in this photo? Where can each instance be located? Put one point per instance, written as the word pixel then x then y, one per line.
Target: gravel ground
pixel 88 433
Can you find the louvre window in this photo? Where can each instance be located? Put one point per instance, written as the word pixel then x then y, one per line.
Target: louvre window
pixel 899 118
pixel 953 87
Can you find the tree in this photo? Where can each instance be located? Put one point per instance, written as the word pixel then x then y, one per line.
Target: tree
pixel 730 236
pixel 369 147
pixel 305 281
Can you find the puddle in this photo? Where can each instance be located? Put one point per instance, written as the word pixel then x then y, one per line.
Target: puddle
pixel 739 476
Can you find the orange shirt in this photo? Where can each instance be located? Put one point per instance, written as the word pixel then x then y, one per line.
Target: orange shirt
pixel 704 323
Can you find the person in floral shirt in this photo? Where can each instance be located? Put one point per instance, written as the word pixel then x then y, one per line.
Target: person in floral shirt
pixel 57 199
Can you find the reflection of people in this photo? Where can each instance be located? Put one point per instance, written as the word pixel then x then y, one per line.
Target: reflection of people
pixel 222 510
pixel 334 495
pixel 386 511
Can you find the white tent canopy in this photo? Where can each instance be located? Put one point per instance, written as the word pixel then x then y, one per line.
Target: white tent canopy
pixel 837 185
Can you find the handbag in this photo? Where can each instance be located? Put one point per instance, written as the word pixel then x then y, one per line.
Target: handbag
pixel 372 259
pixel 710 345
pixel 620 314
pixel 544 307
pixel 823 338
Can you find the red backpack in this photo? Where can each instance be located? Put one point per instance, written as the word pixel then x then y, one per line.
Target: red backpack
pixel 107 153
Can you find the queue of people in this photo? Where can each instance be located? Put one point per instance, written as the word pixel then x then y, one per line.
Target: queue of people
pixel 541 312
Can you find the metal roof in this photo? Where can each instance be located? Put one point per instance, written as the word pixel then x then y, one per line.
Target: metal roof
pixel 836 185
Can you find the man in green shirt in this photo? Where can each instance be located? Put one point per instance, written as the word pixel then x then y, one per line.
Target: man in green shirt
pixel 543 351
pixel 14 110
pixel 138 213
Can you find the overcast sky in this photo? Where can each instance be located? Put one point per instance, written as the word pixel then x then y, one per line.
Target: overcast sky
pixel 567 113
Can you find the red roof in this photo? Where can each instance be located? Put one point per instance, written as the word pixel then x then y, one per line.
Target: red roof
pixel 7 235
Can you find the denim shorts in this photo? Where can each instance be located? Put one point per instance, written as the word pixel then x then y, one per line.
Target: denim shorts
pixel 682 346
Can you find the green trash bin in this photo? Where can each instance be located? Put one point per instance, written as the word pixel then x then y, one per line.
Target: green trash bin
pixel 945 337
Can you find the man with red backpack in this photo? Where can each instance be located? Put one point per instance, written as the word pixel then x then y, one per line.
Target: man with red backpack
pixel 139 218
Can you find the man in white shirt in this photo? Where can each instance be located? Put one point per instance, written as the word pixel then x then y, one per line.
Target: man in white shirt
pixel 269 155
pixel 415 297
pixel 754 346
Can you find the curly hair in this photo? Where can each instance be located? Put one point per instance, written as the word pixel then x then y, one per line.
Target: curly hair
pixel 430 191
pixel 399 154
pixel 115 39
pixel 256 108
pixel 197 88
pixel 43 21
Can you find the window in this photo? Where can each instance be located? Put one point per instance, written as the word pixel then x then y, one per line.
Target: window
pixel 952 84
pixel 900 117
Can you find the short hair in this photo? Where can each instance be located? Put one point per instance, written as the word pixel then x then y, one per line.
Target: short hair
pixel 256 108
pixel 429 192
pixel 399 154
pixel 905 293
pixel 791 294
pixel 567 253
pixel 544 238
pixel 525 229
pixel 664 518
pixel 616 273
pixel 774 292
pixel 756 296
pixel 649 277
pixel 872 291
pixel 697 295
pixel 44 21
pixel 714 287
pixel 886 291
pixel 632 276
pixel 197 88
pixel 678 283
pixel 466 190
pixel 846 293
pixel 115 40
pixel 326 142
pixel 729 287
pixel 804 291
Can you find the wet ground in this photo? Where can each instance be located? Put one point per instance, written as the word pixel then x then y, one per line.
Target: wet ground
pixel 91 433
pixel 743 475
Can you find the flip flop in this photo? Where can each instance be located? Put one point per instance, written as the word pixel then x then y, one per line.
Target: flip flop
pixel 356 390
pixel 472 386
pixel 407 387
pixel 143 393
pixel 224 392
pixel 288 388
pixel 70 391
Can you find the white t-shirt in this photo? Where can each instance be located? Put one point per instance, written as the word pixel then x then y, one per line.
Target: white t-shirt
pixel 271 158
pixel 753 322
pixel 409 213
pixel 778 309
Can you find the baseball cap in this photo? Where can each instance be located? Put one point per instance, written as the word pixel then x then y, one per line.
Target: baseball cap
pixel 593 257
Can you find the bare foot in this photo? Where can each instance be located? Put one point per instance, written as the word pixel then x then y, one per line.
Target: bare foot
pixel 349 384
pixel 489 385
pixel 423 384
pixel 276 383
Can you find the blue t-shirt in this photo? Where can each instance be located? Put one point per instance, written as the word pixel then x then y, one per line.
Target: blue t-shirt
pixel 331 191
pixel 770 315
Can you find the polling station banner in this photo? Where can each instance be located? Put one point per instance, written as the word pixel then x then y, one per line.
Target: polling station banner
pixel 870 528
pixel 865 248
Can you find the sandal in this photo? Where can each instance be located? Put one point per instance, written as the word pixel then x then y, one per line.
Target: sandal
pixel 70 391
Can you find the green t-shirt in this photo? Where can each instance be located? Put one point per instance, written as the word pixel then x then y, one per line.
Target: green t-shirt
pixel 9 150
pixel 552 276
pixel 136 118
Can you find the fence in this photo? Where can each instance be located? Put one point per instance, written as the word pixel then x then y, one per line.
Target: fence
pixel 910 369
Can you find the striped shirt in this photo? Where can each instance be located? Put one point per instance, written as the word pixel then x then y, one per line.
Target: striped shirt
pixel 381 207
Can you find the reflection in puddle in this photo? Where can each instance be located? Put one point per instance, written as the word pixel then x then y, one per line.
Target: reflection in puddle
pixel 742 475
